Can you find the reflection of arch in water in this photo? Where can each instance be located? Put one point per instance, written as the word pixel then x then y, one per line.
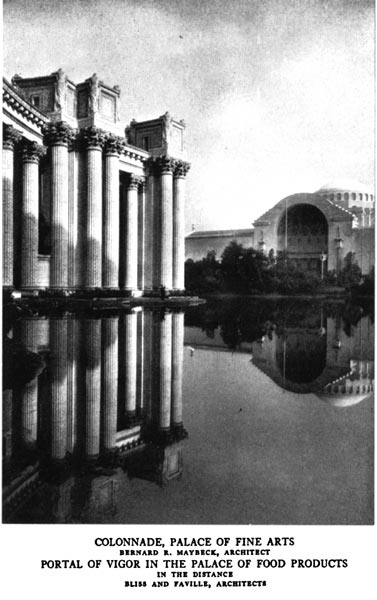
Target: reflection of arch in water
pixel 303 233
pixel 301 356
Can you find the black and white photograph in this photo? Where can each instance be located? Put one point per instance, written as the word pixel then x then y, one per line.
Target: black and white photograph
pixel 188 249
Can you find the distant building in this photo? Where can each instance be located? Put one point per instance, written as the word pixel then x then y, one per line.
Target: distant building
pixel 86 203
pixel 324 226
pixel 314 228
pixel 199 243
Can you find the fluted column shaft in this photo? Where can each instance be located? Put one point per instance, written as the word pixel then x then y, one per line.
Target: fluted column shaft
pixel 93 274
pixel 110 380
pixel 165 372
pixel 131 233
pixel 59 387
pixel 166 223
pixel 93 386
pixel 149 232
pixel 10 137
pixel 30 212
pixel 177 368
pixel 57 136
pixel 179 225
pixel 141 237
pixel 110 259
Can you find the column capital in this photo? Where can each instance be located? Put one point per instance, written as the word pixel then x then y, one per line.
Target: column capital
pixel 134 181
pixel 10 137
pixel 93 138
pixel 114 145
pixel 31 152
pixel 181 169
pixel 165 164
pixel 58 134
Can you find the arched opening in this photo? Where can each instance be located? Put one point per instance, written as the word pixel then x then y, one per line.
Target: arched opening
pixel 303 234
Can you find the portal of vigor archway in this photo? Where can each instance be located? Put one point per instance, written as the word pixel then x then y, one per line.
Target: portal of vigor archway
pixel 303 233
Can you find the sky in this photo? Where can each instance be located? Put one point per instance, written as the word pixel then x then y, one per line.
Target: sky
pixel 277 95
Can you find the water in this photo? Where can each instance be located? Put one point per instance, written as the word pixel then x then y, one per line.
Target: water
pixel 238 411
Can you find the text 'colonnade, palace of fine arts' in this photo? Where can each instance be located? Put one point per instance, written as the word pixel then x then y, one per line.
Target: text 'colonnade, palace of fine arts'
pixel 88 204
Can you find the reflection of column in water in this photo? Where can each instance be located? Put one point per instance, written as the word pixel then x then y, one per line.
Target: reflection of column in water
pixel 29 401
pixel 58 387
pixel 92 345
pixel 73 357
pixel 177 370
pixel 147 364
pixel 165 371
pixel 130 362
pixel 110 380
pixel 7 423
pixel 140 366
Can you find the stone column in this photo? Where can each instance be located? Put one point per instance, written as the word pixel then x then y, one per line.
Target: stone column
pixel 177 371
pixel 149 229
pixel 59 387
pixel 31 153
pixel 130 365
pixel 94 139
pixel 179 225
pixel 131 232
pixel 10 137
pixel 166 166
pixel 93 387
pixel 165 373
pixel 110 380
pixel 110 258
pixel 57 136
pixel 141 237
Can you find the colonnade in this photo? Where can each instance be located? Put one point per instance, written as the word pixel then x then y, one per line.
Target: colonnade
pixel 91 246
pixel 101 383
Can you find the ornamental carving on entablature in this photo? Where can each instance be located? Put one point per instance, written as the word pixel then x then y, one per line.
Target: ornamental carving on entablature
pixel 92 137
pixel 32 152
pixel 10 137
pixel 58 134
pixel 181 168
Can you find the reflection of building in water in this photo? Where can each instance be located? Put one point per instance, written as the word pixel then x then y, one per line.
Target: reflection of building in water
pixel 86 202
pixel 110 397
pixel 335 364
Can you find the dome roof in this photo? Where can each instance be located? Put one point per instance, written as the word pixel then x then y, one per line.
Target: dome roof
pixel 345 185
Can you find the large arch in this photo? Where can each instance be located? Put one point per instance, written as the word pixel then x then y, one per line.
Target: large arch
pixel 303 233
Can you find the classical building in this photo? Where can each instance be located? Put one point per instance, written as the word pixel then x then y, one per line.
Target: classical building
pixel 317 230
pixel 86 203
pixel 199 243
pixel 321 227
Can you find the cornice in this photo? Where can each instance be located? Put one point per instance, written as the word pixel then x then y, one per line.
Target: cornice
pixel 13 99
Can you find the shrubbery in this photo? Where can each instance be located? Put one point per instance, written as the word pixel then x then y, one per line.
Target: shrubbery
pixel 247 271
